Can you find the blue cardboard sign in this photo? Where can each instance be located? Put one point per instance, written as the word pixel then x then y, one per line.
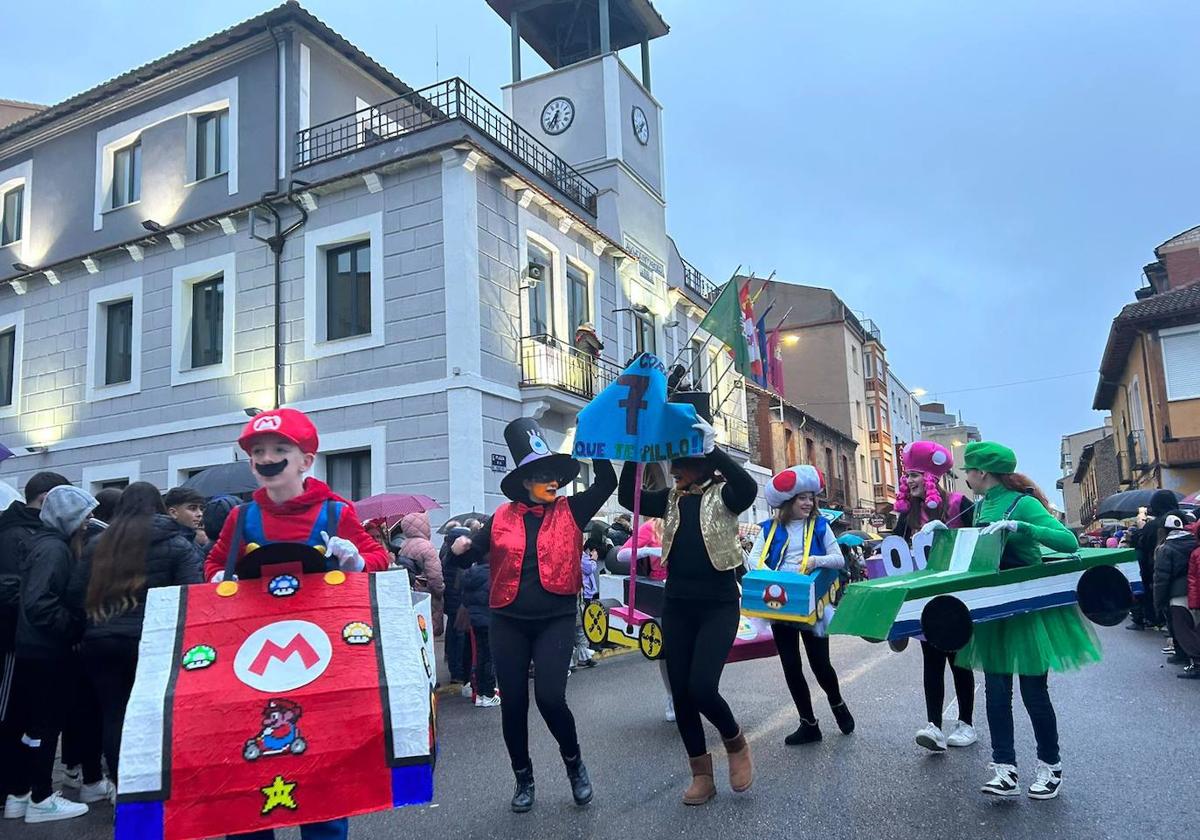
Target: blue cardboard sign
pixel 631 420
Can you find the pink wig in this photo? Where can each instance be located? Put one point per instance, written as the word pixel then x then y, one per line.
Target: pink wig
pixel 932 459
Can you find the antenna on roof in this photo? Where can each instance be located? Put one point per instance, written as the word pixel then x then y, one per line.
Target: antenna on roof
pixel 437 65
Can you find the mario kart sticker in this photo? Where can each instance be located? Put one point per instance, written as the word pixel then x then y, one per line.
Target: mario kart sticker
pixel 283 586
pixel 280 733
pixel 198 657
pixel 357 633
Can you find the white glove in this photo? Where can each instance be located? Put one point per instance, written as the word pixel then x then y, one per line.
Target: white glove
pixel 220 576
pixel 1002 525
pixel 710 434
pixel 931 526
pixel 346 553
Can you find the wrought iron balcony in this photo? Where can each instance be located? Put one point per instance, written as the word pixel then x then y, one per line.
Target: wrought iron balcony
pixel 452 99
pixel 695 280
pixel 549 362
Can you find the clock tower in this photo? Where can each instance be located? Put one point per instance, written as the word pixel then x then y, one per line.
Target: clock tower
pixel 594 112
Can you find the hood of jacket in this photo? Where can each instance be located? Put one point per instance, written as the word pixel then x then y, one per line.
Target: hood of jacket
pixel 415 525
pixel 1163 501
pixel 315 493
pixel 66 509
pixel 20 515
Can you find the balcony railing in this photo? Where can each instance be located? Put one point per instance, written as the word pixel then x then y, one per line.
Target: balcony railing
pixel 880 492
pixel 698 283
pixel 549 362
pixel 737 432
pixel 452 99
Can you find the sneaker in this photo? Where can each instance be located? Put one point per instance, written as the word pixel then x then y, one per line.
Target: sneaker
pixel 1190 672
pixel 590 662
pixel 1169 650
pixel 73 776
pixel 467 691
pixel 670 713
pixel 14 806
pixel 1004 782
pixel 52 808
pixel 1048 781
pixel 482 702
pixel 1135 625
pixel 932 738
pixel 96 792
pixel 962 736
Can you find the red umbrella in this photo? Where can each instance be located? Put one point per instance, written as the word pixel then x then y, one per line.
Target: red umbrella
pixel 1190 501
pixel 393 506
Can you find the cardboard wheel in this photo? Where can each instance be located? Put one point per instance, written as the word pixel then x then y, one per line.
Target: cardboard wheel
pixel 1104 595
pixel 898 645
pixel 946 623
pixel 595 623
pixel 650 640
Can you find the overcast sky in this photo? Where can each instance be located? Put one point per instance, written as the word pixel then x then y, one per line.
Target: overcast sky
pixel 984 180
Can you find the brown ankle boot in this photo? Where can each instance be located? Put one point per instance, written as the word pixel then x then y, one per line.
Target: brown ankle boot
pixel 702 788
pixel 741 768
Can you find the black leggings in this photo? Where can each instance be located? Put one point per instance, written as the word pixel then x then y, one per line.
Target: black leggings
pixel 547 643
pixel 697 636
pixel 788 636
pixel 935 685
pixel 111 665
pixel 52 693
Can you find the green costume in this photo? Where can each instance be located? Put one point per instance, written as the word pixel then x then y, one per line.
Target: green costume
pixel 1057 639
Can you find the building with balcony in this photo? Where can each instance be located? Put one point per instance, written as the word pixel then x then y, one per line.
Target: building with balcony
pixel 270 217
pixel 1150 373
pixel 1097 476
pixel 1070 456
pixel 879 418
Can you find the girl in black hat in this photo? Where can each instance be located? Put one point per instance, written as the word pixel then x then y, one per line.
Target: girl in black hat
pixel 533 542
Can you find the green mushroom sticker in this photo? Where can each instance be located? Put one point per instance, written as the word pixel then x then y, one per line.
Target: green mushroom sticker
pixel 198 657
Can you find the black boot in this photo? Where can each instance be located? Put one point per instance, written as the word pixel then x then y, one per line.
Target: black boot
pixel 522 800
pixel 808 732
pixel 581 785
pixel 845 720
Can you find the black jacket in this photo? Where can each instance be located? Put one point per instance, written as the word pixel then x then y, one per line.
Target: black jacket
pixel 1171 569
pixel 172 559
pixel 476 585
pixel 17 523
pixel 47 627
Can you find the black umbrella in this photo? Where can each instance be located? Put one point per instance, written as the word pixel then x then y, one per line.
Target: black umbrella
pixel 233 479
pixel 462 518
pixel 1125 505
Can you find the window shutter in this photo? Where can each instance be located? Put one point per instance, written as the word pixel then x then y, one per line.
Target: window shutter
pixel 1181 361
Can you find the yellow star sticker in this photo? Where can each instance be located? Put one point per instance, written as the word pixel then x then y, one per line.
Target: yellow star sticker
pixel 279 793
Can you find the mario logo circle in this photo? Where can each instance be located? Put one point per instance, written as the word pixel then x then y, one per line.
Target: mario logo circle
pixel 283 586
pixel 283 656
pixel 267 423
pixel 774 596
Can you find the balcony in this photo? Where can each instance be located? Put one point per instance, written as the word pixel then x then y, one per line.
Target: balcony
pixel 1181 452
pixel 441 103
pixel 881 492
pixel 698 284
pixel 733 432
pixel 880 438
pixel 835 490
pixel 547 362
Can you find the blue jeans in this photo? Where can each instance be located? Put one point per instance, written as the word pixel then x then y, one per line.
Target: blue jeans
pixel 332 830
pixel 1035 694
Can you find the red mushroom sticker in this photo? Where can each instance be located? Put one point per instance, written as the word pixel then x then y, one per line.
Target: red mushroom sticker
pixel 774 596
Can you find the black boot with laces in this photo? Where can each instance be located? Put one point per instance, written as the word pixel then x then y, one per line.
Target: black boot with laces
pixel 581 785
pixel 522 800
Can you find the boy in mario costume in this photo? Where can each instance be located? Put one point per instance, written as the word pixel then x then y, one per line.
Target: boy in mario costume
pixel 287 507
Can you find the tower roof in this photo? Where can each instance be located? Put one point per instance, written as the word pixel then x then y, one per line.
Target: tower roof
pixel 563 32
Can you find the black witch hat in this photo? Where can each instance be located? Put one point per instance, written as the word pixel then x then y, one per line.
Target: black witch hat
pixel 532 456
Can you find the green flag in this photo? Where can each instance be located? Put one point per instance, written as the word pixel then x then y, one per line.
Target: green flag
pixel 724 323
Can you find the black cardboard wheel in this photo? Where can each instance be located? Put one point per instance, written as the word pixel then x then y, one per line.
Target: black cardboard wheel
pixel 946 623
pixel 1104 595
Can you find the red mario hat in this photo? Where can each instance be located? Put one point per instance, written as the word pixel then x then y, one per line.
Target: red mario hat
pixel 285 422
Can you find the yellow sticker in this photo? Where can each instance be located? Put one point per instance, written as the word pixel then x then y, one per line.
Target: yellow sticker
pixel 279 794
pixel 226 588
pixel 335 578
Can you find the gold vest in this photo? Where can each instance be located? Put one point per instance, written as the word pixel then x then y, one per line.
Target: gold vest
pixel 718 527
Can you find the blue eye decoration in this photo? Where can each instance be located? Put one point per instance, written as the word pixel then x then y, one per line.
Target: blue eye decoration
pixel 537 444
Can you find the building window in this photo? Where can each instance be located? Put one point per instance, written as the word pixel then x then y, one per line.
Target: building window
pixel 579 304
pixel 208 318
pixel 845 465
pixel 112 484
pixel 1181 362
pixel 1135 406
pixel 809 452
pixel 212 144
pixel 349 474
pixel 876 471
pixel 8 365
pixel 127 175
pixel 114 366
pixel 854 358
pixel 348 291
pixel 644 340
pixel 869 365
pixel 789 446
pixel 858 413
pixel 828 462
pixel 118 342
pixel 539 296
pixel 862 465
pixel 697 371
pixel 10 215
pixel 872 423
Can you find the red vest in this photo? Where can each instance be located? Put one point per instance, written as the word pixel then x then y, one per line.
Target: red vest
pixel 559 548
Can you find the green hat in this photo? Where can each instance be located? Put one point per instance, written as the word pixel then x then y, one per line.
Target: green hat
pixel 989 457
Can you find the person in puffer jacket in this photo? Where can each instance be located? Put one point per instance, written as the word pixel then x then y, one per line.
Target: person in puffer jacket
pixel 476 587
pixel 423 554
pixel 1171 561
pixel 141 549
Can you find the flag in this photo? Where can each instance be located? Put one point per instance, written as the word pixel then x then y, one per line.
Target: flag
pixel 750 333
pixel 724 323
pixel 763 351
pixel 775 351
pixel 5 452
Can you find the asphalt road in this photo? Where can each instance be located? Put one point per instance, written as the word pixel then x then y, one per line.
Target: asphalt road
pixel 1129 732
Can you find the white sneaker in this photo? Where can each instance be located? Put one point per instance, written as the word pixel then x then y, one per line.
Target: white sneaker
pixel 96 792
pixel 52 808
pixel 1004 782
pixel 1048 781
pixel 14 806
pixel 482 702
pixel 670 709
pixel 73 776
pixel 467 690
pixel 932 738
pixel 962 736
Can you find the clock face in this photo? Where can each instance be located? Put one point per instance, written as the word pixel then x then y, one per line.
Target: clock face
pixel 557 115
pixel 641 126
